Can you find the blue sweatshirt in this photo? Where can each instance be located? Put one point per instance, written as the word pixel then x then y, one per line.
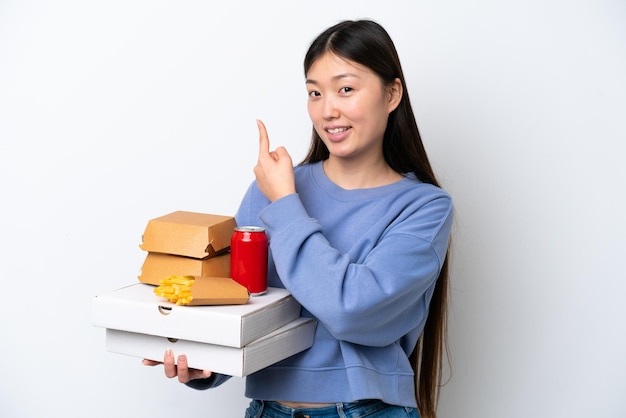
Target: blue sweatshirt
pixel 363 263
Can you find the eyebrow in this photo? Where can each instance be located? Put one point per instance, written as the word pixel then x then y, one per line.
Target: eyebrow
pixel 334 78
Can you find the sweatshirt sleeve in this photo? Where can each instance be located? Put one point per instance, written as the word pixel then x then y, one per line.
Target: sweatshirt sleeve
pixel 213 381
pixel 252 201
pixel 371 301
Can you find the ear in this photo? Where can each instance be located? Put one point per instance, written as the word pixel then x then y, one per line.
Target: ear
pixel 394 94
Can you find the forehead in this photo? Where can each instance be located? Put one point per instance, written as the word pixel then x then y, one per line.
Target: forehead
pixel 329 66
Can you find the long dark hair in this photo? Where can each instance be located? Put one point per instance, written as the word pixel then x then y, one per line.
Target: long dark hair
pixel 367 43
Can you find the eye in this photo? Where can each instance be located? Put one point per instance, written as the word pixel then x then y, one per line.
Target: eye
pixel 346 90
pixel 314 93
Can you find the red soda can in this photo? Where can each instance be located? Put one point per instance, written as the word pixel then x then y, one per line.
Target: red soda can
pixel 248 258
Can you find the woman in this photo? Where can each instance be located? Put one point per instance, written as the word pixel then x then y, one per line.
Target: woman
pixel 359 235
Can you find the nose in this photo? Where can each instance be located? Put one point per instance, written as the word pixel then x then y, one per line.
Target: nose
pixel 330 109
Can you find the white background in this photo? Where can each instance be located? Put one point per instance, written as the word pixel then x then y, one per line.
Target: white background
pixel 112 113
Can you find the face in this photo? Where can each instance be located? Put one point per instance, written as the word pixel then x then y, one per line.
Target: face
pixel 349 107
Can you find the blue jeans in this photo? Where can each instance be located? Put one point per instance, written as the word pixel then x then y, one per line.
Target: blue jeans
pixel 367 408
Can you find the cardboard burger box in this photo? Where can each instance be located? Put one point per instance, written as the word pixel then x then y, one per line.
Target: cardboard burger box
pixel 136 308
pixel 158 266
pixel 280 344
pixel 190 234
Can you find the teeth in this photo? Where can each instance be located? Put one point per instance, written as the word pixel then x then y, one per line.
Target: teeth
pixel 336 130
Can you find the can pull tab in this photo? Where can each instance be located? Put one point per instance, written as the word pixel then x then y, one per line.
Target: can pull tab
pixel 165 310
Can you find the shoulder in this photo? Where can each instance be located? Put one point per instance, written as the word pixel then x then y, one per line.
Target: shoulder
pixel 425 208
pixel 417 192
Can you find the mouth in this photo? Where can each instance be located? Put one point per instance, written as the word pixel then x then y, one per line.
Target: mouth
pixel 335 131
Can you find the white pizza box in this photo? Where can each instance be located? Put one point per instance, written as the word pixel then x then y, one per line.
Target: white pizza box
pixel 136 308
pixel 284 342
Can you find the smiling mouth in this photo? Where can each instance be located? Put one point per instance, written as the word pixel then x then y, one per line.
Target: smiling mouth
pixel 336 130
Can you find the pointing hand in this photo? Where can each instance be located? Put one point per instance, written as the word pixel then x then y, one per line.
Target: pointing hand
pixel 274 169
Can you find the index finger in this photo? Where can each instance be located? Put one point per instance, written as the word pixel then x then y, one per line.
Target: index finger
pixel 264 141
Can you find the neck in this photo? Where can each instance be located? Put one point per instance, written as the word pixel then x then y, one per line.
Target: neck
pixel 351 176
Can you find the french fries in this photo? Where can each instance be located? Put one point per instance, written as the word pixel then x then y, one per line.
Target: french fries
pixel 202 290
pixel 176 289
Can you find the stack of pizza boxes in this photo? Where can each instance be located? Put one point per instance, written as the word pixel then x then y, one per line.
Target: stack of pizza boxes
pixel 224 330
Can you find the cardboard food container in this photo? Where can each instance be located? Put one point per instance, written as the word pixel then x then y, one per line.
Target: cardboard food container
pixel 158 266
pixel 202 290
pixel 280 344
pixel 135 308
pixel 190 234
